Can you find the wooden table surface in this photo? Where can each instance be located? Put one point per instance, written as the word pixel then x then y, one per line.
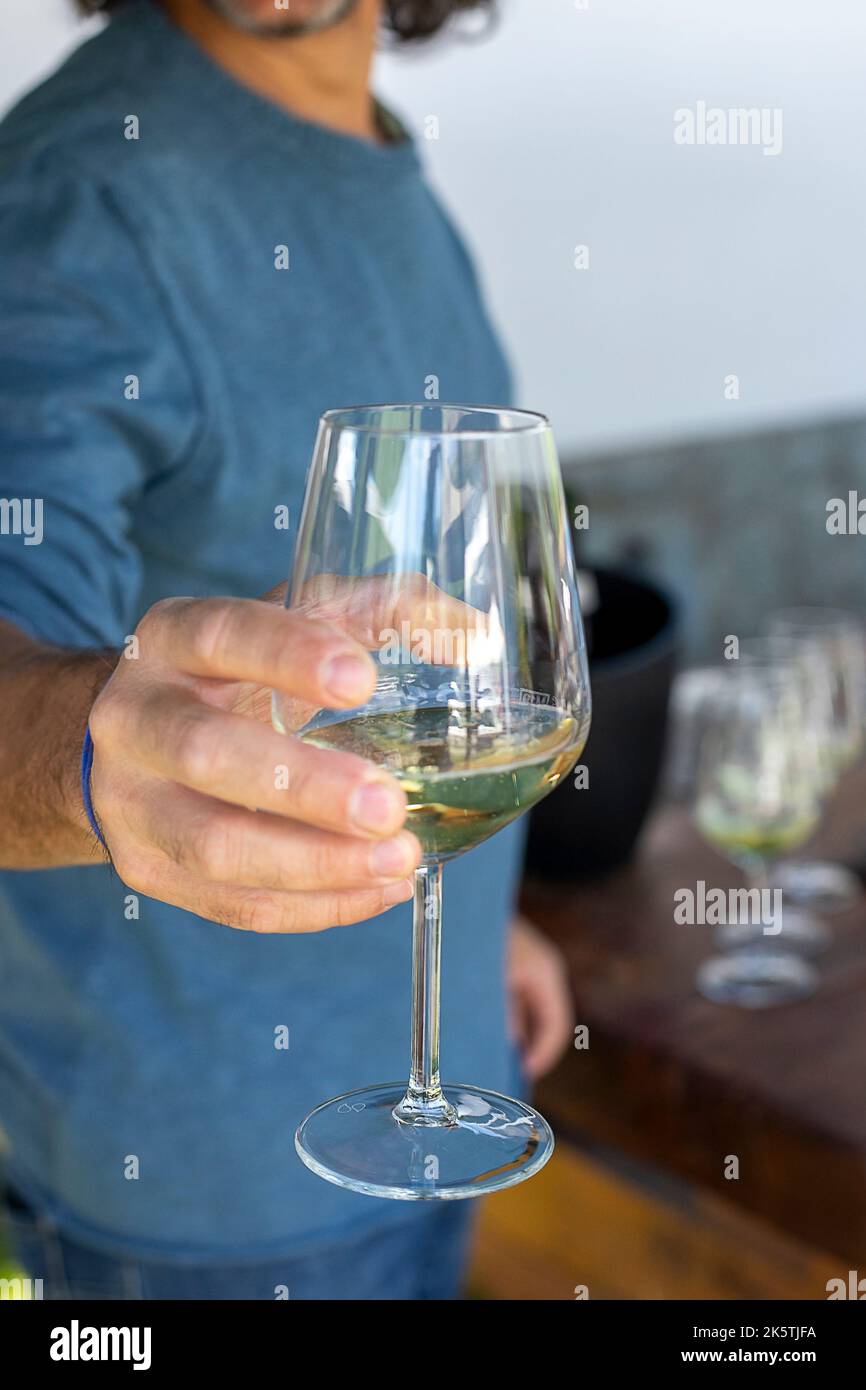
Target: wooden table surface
pixel 679 1084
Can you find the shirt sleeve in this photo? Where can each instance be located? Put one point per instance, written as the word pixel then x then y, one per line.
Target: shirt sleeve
pixel 96 399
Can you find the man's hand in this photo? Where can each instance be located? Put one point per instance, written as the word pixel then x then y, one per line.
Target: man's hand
pixel 203 805
pixel 541 1015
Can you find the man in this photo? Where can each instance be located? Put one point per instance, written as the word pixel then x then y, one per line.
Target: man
pixel 212 232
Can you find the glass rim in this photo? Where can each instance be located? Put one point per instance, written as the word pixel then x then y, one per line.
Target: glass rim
pixel 340 417
pixel 811 620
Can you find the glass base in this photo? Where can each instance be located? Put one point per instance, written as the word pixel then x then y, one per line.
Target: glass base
pixel 355 1141
pixel 801 934
pixel 823 886
pixel 756 979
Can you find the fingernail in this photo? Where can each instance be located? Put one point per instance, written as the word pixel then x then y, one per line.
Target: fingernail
pixel 393 858
pixel 347 677
pixel 375 806
pixel 398 892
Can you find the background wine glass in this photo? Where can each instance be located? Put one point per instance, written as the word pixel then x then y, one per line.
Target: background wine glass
pixel 829 645
pixel 758 796
pixel 805 697
pixel 437 535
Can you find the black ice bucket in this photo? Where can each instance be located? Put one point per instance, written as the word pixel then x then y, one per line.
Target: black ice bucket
pixel 633 638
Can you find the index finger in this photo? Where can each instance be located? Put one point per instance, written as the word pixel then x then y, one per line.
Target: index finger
pixel 252 640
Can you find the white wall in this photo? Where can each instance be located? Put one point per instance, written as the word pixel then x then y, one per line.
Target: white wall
pixel 704 261
pixel 34 36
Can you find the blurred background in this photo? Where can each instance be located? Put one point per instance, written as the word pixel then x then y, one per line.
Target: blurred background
pixel 698 264
pixel 691 317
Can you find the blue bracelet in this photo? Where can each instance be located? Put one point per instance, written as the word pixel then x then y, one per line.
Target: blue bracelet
pixel 86 766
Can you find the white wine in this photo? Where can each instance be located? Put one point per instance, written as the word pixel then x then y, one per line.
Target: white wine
pixel 466 776
pixel 743 838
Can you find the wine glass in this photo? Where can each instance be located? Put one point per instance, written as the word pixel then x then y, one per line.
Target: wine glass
pixel 829 644
pixel 758 797
pixel 437 535
pixel 804 681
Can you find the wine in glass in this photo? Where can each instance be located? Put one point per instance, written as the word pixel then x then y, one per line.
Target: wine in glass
pixel 437 535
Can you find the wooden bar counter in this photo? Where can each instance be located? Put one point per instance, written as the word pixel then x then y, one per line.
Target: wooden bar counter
pixel 637 1201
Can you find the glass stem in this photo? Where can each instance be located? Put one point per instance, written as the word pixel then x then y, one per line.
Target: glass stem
pixel 424 1102
pixel 757 875
pixel 748 934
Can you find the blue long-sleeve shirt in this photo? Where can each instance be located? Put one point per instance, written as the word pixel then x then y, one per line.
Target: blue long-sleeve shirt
pixel 160 383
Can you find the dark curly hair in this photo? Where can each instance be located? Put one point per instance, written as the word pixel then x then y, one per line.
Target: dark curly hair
pixel 406 19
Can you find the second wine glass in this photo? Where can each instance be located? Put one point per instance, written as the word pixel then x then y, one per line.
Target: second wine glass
pixel 758 798
pixel 830 648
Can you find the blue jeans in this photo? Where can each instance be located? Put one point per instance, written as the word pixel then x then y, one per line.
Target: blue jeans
pixel 423 1257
